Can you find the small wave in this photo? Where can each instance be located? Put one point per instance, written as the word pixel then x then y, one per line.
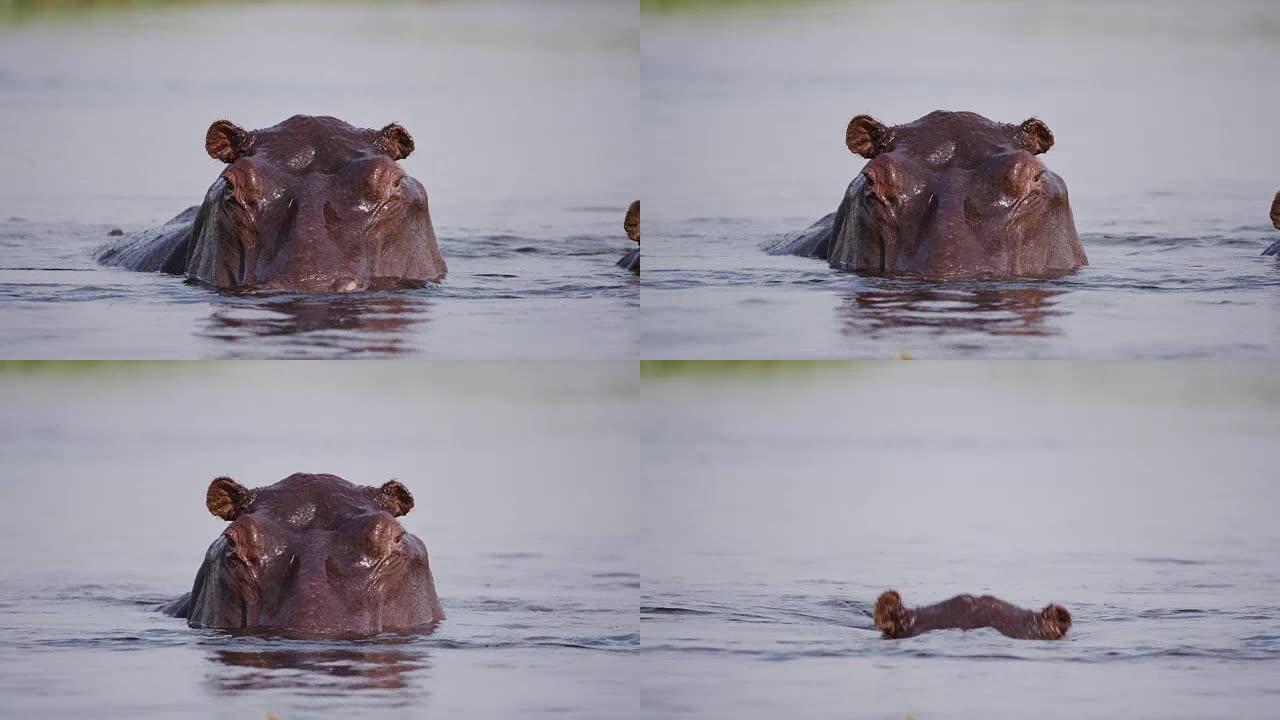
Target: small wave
pixel 1170 561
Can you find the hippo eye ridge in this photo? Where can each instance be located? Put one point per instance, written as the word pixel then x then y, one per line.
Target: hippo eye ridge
pixel 870 188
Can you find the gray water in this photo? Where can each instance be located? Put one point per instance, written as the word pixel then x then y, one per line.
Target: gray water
pixel 1163 115
pixel 779 504
pixel 520 114
pixel 521 477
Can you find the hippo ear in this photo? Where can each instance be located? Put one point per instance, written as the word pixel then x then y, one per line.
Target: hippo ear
pixel 632 222
pixel 1034 136
pixel 396 141
pixel 227 141
pixel 1275 211
pixel 227 498
pixel 867 136
pixel 396 497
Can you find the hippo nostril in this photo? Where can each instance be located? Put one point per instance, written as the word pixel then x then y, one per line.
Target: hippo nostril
pixel 331 217
pixel 332 571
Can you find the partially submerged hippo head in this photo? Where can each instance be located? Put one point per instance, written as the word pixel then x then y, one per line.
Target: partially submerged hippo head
pixel 631 224
pixel 954 195
pixel 312 556
pixel 313 204
pixel 1275 220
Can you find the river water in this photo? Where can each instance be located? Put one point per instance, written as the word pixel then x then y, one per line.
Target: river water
pixel 1165 138
pixel 532 548
pixel 519 114
pixel 778 503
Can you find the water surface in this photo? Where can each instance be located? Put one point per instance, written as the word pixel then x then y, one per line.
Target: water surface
pixel 778 506
pixel 532 547
pixel 519 113
pixel 749 109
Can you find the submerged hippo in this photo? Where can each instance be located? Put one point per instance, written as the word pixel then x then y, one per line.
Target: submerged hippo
pixel 1275 220
pixel 631 224
pixel 312 204
pixel 966 612
pixel 951 195
pixel 312 556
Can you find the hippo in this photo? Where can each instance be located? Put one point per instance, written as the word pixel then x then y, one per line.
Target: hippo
pixel 952 195
pixel 967 612
pixel 309 205
pixel 631 224
pixel 1275 220
pixel 312 556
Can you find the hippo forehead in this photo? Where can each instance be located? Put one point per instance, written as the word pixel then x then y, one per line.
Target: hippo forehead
pixel 307 144
pixel 314 502
pixel 952 140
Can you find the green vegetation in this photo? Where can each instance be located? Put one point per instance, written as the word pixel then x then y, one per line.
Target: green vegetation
pixel 12 11
pixel 100 367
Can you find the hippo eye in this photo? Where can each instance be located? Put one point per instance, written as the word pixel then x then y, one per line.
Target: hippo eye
pixel 1038 176
pixel 873 192
pixel 869 185
pixel 231 197
pixel 232 551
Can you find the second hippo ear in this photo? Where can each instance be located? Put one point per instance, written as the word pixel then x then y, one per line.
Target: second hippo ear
pixel 396 497
pixel 227 141
pixel 1034 136
pixel 867 136
pixel 632 222
pixel 396 141
pixel 227 498
pixel 1275 211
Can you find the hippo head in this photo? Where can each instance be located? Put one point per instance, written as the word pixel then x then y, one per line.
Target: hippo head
pixel 314 205
pixel 631 223
pixel 313 556
pixel 955 195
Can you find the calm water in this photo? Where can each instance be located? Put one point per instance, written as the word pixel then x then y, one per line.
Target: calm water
pixel 753 104
pixel 778 506
pixel 533 547
pixel 520 114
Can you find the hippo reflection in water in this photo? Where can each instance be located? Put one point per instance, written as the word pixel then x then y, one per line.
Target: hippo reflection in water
pixel 312 556
pixel 312 205
pixel 966 612
pixel 951 195
pixel 1275 220
pixel 631 224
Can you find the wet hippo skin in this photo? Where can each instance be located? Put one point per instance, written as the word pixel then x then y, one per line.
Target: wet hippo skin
pixel 631 224
pixel 312 556
pixel 309 205
pixel 1275 220
pixel 951 195
pixel 966 612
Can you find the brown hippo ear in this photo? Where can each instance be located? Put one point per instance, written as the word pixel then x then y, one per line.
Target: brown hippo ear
pixel 227 141
pixel 632 222
pixel 1275 211
pixel 227 498
pixel 890 616
pixel 1034 136
pixel 867 136
pixel 396 141
pixel 396 497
